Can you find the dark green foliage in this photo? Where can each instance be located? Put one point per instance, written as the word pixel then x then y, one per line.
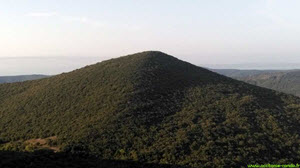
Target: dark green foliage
pixel 48 159
pixel 151 107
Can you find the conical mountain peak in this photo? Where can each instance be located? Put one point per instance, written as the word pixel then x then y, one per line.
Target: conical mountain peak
pixel 155 108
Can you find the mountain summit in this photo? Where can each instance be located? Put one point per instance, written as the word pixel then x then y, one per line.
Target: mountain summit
pixel 152 107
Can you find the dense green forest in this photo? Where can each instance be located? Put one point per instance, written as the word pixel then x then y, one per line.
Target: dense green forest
pixel 21 78
pixel 49 159
pixel 287 81
pixel 151 108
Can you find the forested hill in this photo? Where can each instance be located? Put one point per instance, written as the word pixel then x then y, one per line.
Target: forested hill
pixel 287 81
pixel 21 78
pixel 151 108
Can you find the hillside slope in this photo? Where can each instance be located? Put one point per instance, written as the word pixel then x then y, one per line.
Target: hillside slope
pixel 21 78
pixel 287 81
pixel 237 73
pixel 152 107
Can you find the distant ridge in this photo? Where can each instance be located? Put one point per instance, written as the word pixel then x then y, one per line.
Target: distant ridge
pixel 287 81
pixel 20 78
pixel 151 107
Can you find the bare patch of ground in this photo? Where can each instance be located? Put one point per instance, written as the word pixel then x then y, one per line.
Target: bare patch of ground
pixel 44 143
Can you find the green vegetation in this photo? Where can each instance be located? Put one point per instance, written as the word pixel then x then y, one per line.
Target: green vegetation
pixel 22 78
pixel 153 108
pixel 284 81
pixel 49 159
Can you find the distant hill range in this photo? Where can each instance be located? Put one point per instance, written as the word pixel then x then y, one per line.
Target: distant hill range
pixel 149 107
pixel 20 78
pixel 287 81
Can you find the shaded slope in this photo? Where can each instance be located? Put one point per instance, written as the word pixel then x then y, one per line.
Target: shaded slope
pixel 152 107
pixel 48 159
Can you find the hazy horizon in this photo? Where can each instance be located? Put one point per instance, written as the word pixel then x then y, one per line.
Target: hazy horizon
pixel 232 32
pixel 55 65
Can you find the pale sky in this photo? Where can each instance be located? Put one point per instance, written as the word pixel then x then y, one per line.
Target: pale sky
pixel 198 31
